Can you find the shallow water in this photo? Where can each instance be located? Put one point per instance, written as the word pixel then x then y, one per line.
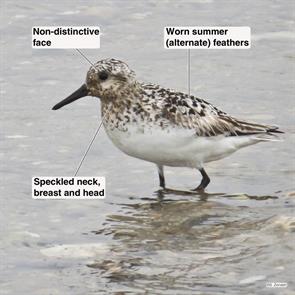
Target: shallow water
pixel 232 240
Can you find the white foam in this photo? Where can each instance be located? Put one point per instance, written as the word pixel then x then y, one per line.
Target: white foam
pixel 287 223
pixel 76 250
pixel 50 82
pixel 16 136
pixel 251 280
pixel 69 12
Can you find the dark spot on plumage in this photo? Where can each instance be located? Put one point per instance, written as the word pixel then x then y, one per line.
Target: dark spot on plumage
pixel 179 101
pixel 195 103
pixel 172 110
pixel 191 112
pixel 202 113
pixel 174 100
pixel 157 117
pixel 215 109
pixel 221 113
pixel 185 104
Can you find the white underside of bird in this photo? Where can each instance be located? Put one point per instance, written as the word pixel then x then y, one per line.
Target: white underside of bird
pixel 177 147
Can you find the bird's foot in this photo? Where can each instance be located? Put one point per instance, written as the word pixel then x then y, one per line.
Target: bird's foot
pixel 199 189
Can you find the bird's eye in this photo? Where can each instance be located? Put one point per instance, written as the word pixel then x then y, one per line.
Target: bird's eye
pixel 103 76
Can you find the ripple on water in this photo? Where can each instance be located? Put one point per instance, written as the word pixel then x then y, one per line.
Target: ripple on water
pixel 191 246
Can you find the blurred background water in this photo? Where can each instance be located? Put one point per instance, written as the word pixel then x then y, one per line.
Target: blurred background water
pixel 234 240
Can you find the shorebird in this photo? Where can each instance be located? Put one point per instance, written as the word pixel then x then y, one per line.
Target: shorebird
pixel 163 126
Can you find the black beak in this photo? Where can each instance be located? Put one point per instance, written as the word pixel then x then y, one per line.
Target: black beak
pixel 81 92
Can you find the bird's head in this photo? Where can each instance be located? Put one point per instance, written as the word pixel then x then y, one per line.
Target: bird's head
pixel 107 79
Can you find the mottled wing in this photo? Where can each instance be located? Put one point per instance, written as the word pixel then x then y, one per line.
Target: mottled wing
pixel 194 113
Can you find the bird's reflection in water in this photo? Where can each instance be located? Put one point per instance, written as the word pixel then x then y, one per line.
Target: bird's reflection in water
pixel 168 242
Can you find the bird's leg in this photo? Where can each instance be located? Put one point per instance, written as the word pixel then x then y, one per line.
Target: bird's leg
pixel 205 180
pixel 161 176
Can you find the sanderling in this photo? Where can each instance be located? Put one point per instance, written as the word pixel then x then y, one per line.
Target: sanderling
pixel 163 126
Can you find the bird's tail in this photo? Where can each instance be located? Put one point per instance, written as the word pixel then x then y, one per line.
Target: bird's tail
pixel 261 132
pixel 241 128
pixel 267 137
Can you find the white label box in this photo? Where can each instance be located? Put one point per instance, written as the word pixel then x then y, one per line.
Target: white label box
pixel 65 37
pixel 68 188
pixel 207 37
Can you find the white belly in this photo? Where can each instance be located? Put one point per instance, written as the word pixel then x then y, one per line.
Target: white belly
pixel 174 147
